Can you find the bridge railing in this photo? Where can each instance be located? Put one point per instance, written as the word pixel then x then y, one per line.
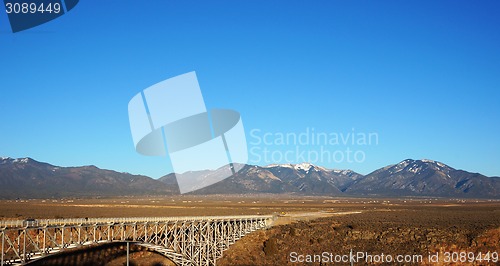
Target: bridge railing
pixel 125 220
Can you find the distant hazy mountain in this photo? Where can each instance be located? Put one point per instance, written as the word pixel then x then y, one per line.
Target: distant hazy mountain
pixel 287 178
pixel 425 177
pixel 407 178
pixel 29 178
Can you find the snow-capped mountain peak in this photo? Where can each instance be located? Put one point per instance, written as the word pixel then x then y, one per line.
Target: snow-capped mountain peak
pixel 303 166
pixel 343 172
pixel 287 165
pixel 21 160
pixel 5 160
pixel 16 161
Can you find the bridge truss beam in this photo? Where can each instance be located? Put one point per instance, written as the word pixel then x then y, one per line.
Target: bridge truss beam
pixel 184 240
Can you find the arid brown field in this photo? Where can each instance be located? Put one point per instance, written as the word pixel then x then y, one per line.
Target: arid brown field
pixel 211 205
pixel 307 225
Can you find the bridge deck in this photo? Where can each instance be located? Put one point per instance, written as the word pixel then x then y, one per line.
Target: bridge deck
pixel 7 224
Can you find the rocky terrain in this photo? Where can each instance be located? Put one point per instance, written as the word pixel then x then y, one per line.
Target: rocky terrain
pixel 416 231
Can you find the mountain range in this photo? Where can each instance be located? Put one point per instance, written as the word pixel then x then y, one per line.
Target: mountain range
pixel 28 178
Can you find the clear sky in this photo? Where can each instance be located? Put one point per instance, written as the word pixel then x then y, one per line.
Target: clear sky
pixel 423 75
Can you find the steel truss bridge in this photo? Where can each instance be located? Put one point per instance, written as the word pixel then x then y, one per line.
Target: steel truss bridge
pixel 184 240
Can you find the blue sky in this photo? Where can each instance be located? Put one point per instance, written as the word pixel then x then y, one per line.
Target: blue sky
pixel 423 75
